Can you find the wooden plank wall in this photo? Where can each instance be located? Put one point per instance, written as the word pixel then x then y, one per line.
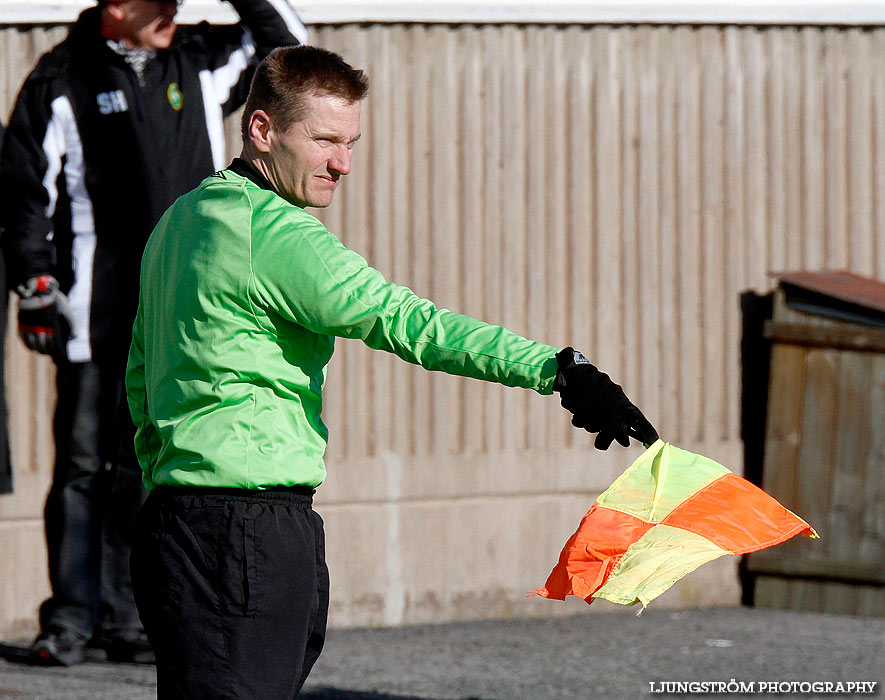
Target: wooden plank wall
pixel 610 187
pixel 615 188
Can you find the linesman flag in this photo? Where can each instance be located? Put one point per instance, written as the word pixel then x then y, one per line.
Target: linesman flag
pixel 670 512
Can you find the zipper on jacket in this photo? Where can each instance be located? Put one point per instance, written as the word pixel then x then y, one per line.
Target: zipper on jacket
pixel 136 89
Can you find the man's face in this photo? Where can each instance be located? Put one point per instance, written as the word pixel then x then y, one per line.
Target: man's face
pixel 308 159
pixel 147 24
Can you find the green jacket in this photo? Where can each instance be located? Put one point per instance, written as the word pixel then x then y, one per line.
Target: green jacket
pixel 241 296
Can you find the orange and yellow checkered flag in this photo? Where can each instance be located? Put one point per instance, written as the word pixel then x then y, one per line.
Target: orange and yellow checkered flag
pixel 670 512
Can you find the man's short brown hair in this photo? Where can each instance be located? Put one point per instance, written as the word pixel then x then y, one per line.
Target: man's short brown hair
pixel 288 74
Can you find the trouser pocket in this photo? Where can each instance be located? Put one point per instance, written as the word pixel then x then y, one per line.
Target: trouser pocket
pixel 250 569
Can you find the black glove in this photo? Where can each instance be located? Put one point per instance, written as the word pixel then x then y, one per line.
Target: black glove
pixel 45 320
pixel 598 404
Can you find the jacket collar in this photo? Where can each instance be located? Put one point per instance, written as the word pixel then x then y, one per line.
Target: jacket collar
pixel 248 171
pixel 86 32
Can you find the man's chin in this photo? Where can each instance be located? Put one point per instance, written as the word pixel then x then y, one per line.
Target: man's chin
pixel 319 200
pixel 319 204
pixel 162 37
pixel 313 202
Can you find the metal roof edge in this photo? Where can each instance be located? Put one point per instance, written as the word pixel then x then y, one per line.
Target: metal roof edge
pixel 843 285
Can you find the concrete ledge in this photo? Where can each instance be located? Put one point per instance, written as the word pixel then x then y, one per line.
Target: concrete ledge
pixel 24 548
pixel 474 559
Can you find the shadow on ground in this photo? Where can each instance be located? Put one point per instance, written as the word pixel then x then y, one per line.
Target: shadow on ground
pixel 14 652
pixel 338 694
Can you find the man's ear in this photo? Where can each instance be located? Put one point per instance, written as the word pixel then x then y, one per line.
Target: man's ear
pixel 259 130
pixel 114 11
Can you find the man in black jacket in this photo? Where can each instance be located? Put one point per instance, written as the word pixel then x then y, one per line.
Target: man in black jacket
pixel 111 126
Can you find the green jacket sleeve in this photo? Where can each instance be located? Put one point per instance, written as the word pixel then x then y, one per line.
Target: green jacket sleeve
pixel 305 274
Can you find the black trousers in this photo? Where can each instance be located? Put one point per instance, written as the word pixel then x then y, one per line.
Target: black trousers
pixel 90 510
pixel 233 591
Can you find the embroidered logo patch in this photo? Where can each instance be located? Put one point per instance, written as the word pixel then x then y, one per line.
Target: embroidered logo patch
pixel 173 94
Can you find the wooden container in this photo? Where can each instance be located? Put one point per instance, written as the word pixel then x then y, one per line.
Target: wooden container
pixel 824 455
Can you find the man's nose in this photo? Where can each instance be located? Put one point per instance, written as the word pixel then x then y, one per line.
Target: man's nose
pixel 341 160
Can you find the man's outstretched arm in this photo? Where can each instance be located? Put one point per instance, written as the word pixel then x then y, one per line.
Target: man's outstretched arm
pixel 306 274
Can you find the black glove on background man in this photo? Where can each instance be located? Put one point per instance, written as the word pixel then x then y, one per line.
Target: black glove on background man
pixel 45 320
pixel 598 404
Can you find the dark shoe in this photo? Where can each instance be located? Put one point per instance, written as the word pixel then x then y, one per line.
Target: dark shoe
pixel 128 646
pixel 58 646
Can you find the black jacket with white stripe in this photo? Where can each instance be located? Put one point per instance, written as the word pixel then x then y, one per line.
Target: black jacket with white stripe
pixel 92 157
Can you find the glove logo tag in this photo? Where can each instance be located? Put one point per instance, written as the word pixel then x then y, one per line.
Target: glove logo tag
pixel 579 359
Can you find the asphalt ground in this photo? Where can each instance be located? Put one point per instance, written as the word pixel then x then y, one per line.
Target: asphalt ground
pixel 710 652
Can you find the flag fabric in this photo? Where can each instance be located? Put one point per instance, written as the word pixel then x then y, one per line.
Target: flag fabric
pixel 670 512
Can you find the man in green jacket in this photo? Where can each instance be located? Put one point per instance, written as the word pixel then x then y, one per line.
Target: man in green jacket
pixel 242 295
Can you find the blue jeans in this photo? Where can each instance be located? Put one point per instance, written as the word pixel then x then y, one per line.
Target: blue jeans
pixel 91 507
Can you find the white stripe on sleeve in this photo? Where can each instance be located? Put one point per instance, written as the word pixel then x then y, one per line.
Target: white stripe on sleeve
pixel 54 149
pixel 63 139
pixel 290 17
pixel 216 86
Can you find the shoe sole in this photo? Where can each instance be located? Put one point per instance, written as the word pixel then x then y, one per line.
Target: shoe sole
pixel 44 657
